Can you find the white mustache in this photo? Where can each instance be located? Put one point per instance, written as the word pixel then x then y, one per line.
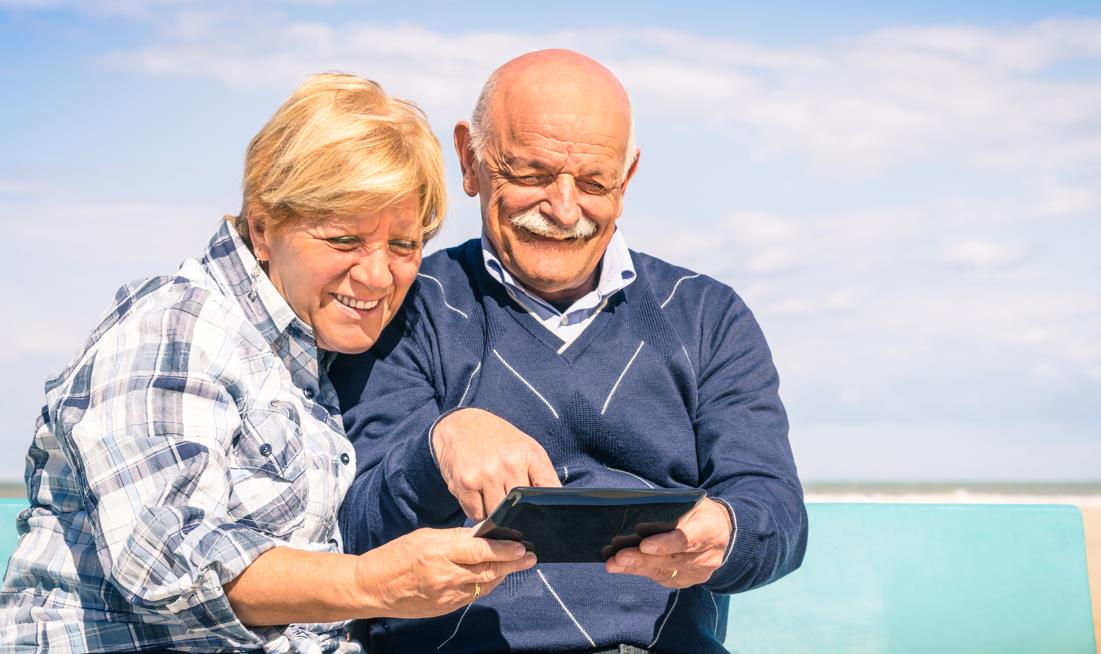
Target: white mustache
pixel 534 221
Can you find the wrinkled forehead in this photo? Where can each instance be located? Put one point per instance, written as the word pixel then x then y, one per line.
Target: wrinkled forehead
pixel 557 122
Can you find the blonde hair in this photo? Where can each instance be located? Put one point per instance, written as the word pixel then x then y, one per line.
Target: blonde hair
pixel 340 144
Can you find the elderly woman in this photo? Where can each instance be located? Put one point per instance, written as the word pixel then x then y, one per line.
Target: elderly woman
pixel 189 463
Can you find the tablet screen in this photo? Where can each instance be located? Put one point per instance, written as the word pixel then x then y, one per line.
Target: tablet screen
pixel 586 525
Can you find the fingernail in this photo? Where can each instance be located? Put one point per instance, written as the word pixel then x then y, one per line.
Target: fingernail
pixel 529 559
pixel 627 559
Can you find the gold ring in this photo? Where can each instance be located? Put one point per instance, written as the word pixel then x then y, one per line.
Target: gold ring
pixel 477 591
pixel 674 575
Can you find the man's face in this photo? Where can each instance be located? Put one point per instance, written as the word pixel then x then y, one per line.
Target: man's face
pixel 551 186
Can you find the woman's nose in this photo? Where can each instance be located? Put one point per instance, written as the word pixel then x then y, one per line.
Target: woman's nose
pixel 373 271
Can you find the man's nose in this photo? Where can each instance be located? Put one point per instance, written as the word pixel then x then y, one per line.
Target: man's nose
pixel 373 270
pixel 562 196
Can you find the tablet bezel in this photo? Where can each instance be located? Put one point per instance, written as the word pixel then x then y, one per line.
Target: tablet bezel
pixel 566 502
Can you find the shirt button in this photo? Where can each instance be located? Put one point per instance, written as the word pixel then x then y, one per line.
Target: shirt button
pixel 308 392
pixel 265 449
pixel 344 458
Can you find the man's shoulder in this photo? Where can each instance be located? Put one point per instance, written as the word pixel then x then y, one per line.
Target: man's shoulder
pixel 673 284
pixel 452 262
pixel 448 279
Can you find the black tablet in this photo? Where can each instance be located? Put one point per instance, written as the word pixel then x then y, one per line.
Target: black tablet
pixel 586 525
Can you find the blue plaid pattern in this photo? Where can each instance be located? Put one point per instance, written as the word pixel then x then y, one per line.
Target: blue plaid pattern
pixel 195 430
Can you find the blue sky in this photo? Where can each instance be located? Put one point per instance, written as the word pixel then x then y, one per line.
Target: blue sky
pixel 909 197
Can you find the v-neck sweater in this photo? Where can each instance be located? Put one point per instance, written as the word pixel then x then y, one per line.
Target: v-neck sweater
pixel 671 385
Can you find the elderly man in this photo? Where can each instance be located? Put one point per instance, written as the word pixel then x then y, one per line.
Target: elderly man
pixel 548 353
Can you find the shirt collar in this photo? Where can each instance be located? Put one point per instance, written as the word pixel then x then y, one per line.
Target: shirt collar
pixel 231 264
pixel 617 271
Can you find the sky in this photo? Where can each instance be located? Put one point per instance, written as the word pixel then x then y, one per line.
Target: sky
pixel 908 196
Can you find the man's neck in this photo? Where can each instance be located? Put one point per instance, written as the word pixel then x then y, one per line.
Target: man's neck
pixel 562 301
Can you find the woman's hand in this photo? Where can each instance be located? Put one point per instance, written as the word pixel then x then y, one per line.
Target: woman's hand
pixel 432 572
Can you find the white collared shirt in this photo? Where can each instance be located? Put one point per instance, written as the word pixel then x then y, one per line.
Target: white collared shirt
pixel 617 271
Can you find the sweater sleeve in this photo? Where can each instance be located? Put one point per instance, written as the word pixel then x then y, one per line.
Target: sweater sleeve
pixel 390 406
pixel 744 455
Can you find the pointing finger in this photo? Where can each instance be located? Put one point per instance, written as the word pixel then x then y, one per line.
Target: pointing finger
pixel 541 471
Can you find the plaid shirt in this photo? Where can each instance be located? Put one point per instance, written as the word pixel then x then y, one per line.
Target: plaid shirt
pixel 192 432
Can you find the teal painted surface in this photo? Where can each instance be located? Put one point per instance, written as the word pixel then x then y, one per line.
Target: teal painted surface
pixel 907 578
pixel 918 578
pixel 9 509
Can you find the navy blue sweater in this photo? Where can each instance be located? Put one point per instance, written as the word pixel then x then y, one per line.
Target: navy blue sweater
pixel 671 385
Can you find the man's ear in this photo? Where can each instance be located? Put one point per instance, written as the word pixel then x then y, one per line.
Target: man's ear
pixel 630 171
pixel 467 160
pixel 259 232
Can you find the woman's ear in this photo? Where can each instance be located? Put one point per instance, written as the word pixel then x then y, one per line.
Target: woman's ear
pixel 259 232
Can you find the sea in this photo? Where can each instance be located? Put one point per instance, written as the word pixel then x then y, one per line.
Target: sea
pixel 1079 493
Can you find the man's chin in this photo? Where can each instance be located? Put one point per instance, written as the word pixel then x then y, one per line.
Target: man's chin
pixel 554 285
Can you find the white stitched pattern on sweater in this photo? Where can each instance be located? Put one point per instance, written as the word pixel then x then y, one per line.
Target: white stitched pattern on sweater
pixel 577 624
pixel 734 535
pixel 715 629
pixel 621 375
pixel 676 597
pixel 442 291
pixel 689 359
pixel 468 381
pixel 521 378
pixel 648 484
pixel 457 625
pixel 565 473
pixel 674 291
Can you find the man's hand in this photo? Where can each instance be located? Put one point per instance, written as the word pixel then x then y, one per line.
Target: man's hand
pixel 483 457
pixel 684 557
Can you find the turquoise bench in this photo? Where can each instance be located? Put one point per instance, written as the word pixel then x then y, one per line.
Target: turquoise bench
pixel 908 578
pixel 9 509
pixel 927 578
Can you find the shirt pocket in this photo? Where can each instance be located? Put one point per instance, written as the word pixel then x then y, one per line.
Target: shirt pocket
pixel 270 490
pixel 271 441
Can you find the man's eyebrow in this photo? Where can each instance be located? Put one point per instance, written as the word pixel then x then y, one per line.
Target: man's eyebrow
pixel 509 166
pixel 513 163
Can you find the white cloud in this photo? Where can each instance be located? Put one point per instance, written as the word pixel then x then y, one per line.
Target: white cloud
pixel 849 107
pixel 924 260
pixel 983 254
pixel 1061 199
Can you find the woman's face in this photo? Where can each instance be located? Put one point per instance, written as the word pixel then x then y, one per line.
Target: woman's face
pixel 344 276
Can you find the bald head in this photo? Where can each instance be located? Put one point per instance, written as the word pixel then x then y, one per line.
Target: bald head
pixel 550 156
pixel 559 84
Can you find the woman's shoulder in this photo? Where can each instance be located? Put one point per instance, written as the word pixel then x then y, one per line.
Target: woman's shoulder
pixel 177 304
pixel 180 314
